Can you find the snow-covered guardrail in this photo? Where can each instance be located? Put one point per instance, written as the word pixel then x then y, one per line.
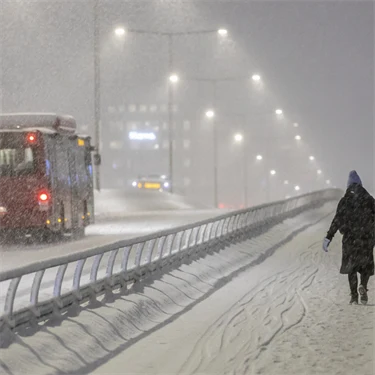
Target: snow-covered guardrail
pixel 126 262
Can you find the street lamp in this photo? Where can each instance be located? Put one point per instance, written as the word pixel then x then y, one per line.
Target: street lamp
pixel 319 171
pixel 286 182
pixel 119 31
pixel 279 111
pixel 296 125
pixel 210 113
pixel 312 158
pixel 174 78
pixel 222 32
pixel 297 188
pixel 238 137
pixel 273 172
pixel 297 138
pixel 256 77
pixel 259 157
pixel 328 182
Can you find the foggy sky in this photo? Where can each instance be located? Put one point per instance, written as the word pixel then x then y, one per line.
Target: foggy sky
pixel 317 59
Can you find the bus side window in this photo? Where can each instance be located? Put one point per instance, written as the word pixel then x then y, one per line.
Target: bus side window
pixel 88 166
pixel 80 163
pixel 62 163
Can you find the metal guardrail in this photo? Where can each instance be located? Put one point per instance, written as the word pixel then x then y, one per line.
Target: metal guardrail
pixel 151 253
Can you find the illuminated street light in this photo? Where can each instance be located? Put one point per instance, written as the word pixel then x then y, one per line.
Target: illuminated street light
pixel 319 171
pixel 296 125
pixel 273 172
pixel 297 188
pixel 238 137
pixel 297 138
pixel 279 111
pixel 286 182
pixel 222 32
pixel 174 78
pixel 256 77
pixel 312 158
pixel 328 182
pixel 259 157
pixel 210 113
pixel 119 31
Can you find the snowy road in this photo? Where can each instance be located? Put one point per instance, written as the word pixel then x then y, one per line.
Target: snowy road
pixel 288 315
pixel 286 312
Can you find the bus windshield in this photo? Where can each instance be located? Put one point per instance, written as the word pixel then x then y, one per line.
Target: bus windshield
pixel 16 157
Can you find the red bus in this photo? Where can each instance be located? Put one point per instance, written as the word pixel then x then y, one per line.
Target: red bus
pixel 46 175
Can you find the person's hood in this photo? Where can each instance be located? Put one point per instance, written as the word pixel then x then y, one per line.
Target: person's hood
pixel 354 179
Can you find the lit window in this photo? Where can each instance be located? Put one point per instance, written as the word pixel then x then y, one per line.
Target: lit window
pixel 186 181
pixel 143 108
pixel 132 108
pixel 186 144
pixel 153 108
pixel 187 125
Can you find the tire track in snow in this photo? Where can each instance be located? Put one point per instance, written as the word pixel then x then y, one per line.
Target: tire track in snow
pixel 278 307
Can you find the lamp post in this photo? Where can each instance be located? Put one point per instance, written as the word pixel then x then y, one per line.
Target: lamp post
pixel 97 114
pixel 214 83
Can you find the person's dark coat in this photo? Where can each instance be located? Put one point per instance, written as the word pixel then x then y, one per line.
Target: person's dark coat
pixel 355 219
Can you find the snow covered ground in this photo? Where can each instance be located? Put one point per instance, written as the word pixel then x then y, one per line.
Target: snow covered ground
pixel 274 304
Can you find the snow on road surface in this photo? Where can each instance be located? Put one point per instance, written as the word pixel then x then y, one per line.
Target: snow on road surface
pixel 288 314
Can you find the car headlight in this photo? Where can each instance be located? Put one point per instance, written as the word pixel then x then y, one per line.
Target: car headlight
pixel 166 184
pixel 134 183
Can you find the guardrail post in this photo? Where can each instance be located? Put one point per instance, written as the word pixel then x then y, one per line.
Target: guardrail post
pixel 111 262
pixel 160 247
pixel 77 278
pixel 59 280
pixel 94 275
pixel 35 292
pixel 9 301
pixel 150 249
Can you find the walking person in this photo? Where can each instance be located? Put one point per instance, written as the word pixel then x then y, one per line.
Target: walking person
pixel 355 220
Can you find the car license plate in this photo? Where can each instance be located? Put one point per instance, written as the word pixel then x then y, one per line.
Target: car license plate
pixel 152 185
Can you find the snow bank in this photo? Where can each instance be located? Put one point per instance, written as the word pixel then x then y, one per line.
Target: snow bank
pixel 80 343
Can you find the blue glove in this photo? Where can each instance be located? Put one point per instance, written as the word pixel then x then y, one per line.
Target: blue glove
pixel 326 243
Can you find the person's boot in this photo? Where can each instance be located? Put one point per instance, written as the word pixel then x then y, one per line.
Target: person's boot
pixel 354 299
pixel 363 293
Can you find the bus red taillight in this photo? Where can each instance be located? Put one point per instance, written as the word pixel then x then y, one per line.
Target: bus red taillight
pixel 43 200
pixel 31 138
pixel 43 197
